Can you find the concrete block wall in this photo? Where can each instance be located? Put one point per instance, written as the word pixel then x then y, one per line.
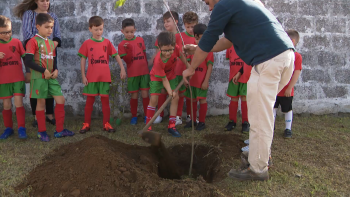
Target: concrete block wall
pixel 324 84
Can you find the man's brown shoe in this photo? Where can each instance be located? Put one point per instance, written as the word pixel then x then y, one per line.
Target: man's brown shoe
pixel 245 163
pixel 247 174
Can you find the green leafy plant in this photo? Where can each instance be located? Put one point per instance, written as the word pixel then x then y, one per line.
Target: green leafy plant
pixel 117 94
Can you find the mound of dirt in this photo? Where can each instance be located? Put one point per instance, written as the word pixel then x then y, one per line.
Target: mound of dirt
pixel 98 166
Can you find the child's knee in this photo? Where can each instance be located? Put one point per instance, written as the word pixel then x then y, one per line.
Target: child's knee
pixel 234 98
pixel 18 101
pixel 59 99
pixel 153 101
pixel 134 95
pixel 7 104
pixel 202 101
pixel 144 93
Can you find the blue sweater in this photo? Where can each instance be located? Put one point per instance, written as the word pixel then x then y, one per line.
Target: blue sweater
pixel 256 34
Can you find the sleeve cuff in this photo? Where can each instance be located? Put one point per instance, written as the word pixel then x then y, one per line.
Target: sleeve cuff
pixel 156 47
pixel 159 76
pixel 81 55
pixel 23 55
pixel 210 62
pixel 122 55
pixel 227 58
pixel 57 40
pixel 144 50
pixel 114 55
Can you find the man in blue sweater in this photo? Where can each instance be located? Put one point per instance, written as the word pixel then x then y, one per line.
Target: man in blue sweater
pixel 260 41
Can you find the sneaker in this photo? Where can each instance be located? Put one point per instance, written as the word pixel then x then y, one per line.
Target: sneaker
pixel 188 118
pixel 287 133
pixel 245 127
pixel 63 133
pixel 133 121
pixel 230 125
pixel 85 128
pixel 158 120
pixel 172 130
pixel 51 121
pixel 248 174
pixel 108 128
pixel 246 148
pixel 200 126
pixel 178 120
pixel 7 133
pixel 246 142
pixel 189 124
pixel 22 134
pixel 35 123
pixel 43 136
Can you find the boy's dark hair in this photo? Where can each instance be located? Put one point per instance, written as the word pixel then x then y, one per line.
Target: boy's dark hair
pixel 95 21
pixel 167 15
pixel 128 22
pixel 43 18
pixel 199 29
pixel 4 21
pixel 293 34
pixel 166 38
pixel 190 17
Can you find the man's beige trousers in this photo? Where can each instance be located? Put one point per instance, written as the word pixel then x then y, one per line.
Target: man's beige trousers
pixel 266 80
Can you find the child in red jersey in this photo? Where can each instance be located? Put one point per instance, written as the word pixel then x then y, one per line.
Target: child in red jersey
pixel 190 19
pixel 237 90
pixel 285 96
pixel 133 51
pixel 98 78
pixel 11 78
pixel 40 54
pixel 163 79
pixel 199 84
pixel 170 26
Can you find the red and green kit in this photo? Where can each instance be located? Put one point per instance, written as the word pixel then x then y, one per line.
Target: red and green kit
pixel 133 53
pixel 11 70
pixel 97 52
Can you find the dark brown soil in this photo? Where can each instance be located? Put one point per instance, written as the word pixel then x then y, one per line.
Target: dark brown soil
pixel 98 166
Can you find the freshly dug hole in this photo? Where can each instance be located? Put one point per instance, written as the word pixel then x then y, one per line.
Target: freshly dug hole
pixel 205 162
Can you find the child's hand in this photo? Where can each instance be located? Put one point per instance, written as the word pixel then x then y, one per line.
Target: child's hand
pixel 122 74
pixel 85 81
pixel 288 92
pixel 236 78
pixel 205 85
pixel 47 74
pixel 54 74
pixel 173 94
pixel 2 55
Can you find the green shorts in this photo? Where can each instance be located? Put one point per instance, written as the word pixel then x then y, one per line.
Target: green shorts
pixel 197 93
pixel 8 90
pixel 97 89
pixel 44 88
pixel 138 83
pixel 234 90
pixel 157 86
pixel 183 87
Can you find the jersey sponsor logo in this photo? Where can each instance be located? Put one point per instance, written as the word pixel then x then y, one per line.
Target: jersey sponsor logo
pixel 236 63
pixel 9 63
pixel 167 71
pixel 199 69
pixel 100 60
pixel 12 48
pixel 139 56
pixel 49 56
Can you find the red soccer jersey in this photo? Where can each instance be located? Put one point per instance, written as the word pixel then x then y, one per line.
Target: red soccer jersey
pixel 236 64
pixel 11 65
pixel 201 71
pixel 134 54
pixel 188 39
pixel 98 52
pixel 166 68
pixel 297 66
pixel 43 50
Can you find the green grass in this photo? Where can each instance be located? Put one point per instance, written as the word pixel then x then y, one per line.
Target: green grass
pixel 315 162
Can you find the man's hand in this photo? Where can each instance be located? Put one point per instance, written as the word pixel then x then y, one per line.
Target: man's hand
pixel 189 49
pixel 47 74
pixel 188 73
pixel 2 55
pixel 85 81
pixel 236 78
pixel 122 74
pixel 288 92
pixel 205 85
pixel 54 74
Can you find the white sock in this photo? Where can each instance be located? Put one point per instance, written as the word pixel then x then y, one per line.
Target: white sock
pixel 289 118
pixel 274 114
